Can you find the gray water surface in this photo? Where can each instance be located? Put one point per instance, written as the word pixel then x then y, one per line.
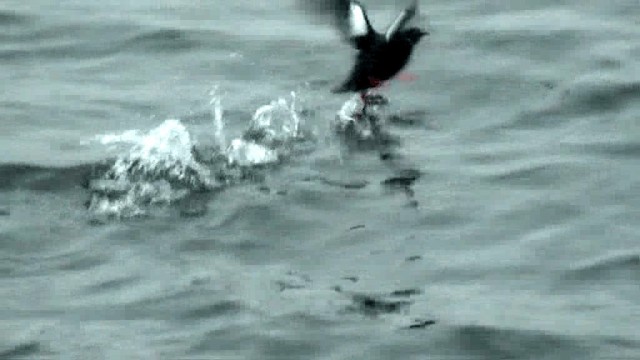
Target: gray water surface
pixel 519 238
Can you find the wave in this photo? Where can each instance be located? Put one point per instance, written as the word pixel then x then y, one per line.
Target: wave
pixel 212 310
pixel 612 149
pixel 537 175
pixel 24 349
pixel 62 41
pixel 586 96
pixel 166 40
pixel 478 341
pixel 618 266
pixel 599 94
pixel 41 178
pixel 10 18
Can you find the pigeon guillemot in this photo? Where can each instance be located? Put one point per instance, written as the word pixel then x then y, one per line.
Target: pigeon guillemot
pixel 380 56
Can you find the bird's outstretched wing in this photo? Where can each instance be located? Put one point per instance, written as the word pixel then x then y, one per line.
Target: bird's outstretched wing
pixel 405 16
pixel 349 16
pixel 359 28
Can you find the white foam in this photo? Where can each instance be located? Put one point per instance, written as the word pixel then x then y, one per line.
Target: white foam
pixel 248 153
pixel 218 121
pixel 157 168
pixel 278 119
pixel 167 147
pixel 350 117
pixel 126 137
pixel 159 165
pixel 129 136
pixel 349 110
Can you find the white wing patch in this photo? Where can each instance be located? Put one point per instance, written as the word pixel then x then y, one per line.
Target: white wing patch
pixel 405 16
pixel 395 26
pixel 357 20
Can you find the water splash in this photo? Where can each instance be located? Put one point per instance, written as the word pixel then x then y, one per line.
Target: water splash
pixel 248 153
pixel 272 129
pixel 277 122
pixel 130 136
pixel 164 153
pixel 218 122
pixel 159 168
pixel 165 165
pixel 352 121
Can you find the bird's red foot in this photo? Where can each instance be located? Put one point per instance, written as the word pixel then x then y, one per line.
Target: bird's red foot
pixel 375 82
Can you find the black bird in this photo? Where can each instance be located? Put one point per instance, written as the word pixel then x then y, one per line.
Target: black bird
pixel 380 57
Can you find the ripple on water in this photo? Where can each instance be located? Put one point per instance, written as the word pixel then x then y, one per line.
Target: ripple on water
pixel 587 96
pixel 213 310
pixel 9 18
pixel 38 178
pixel 603 283
pixel 447 219
pixel 112 284
pixel 617 266
pixel 21 350
pixel 598 93
pixel 82 260
pixel 538 213
pixel 611 149
pixel 496 343
pixel 163 41
pixel 537 174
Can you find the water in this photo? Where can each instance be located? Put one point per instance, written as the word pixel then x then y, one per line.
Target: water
pixel 151 207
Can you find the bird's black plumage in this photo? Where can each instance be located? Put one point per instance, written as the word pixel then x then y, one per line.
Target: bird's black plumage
pixel 380 56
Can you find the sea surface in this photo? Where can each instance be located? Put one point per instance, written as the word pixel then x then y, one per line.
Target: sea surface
pixel 173 186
